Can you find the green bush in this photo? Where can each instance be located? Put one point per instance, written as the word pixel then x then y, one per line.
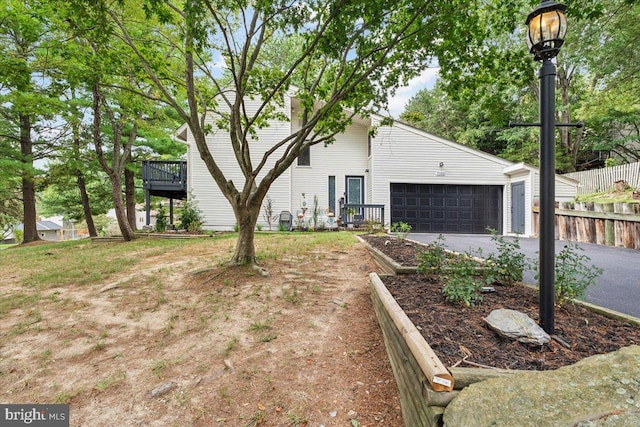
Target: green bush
pixel 464 281
pixel 402 229
pixel 190 216
pixel 433 258
pixel 507 265
pixel 574 273
pixel 161 219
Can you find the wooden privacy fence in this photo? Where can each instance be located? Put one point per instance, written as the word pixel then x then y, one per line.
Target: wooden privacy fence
pixel 611 224
pixel 599 180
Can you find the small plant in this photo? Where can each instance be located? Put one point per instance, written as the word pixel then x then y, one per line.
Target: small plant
pixel 315 212
pixel 574 274
pixel 159 367
pixel 230 345
pixel 269 215
pixel 161 219
pixel 372 226
pixel 259 227
pixel 260 326
pixel 191 216
pixel 507 265
pixel 291 296
pixel 464 284
pixel 431 260
pixel 402 229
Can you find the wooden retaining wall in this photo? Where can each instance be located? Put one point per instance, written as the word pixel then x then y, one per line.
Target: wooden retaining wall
pixel 611 224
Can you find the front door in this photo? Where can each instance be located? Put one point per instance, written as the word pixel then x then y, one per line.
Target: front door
pixel 355 190
pixel 517 207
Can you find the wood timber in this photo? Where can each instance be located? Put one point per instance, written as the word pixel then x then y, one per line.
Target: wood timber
pixel 437 374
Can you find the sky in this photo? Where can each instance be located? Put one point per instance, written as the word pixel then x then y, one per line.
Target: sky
pixel 426 79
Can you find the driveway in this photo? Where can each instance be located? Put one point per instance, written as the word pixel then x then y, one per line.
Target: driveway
pixel 617 288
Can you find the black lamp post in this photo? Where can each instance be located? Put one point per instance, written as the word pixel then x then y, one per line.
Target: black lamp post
pixel 547 28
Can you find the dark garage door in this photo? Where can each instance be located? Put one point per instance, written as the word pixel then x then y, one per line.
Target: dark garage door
pixel 441 208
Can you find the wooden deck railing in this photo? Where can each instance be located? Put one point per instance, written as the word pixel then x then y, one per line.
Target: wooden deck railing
pixel 164 174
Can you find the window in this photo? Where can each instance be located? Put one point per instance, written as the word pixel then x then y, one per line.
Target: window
pixel 332 194
pixel 304 159
pixel 369 146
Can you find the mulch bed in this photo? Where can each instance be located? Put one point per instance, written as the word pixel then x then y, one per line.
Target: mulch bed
pixel 459 335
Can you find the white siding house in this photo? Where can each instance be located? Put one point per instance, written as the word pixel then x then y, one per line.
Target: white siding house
pixel 431 183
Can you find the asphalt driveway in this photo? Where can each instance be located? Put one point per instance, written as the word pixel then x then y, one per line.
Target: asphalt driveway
pixel 617 288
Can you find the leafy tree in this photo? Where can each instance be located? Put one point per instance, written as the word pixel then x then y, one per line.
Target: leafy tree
pixel 27 101
pixel 493 81
pixel 612 105
pixel 347 57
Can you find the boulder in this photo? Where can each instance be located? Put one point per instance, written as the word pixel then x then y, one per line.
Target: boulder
pixel 516 325
pixel 602 390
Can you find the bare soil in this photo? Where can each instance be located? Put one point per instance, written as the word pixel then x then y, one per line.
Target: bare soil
pixel 459 335
pixel 300 347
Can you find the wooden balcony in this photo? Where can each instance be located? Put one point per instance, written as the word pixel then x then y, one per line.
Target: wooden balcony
pixel 165 178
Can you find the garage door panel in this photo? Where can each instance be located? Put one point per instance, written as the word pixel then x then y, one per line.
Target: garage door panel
pixel 440 208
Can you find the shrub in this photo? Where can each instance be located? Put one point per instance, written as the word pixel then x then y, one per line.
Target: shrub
pixel 433 258
pixel 507 265
pixel 372 226
pixel 269 215
pixel 161 219
pixel 574 273
pixel 402 229
pixel 191 216
pixel 464 281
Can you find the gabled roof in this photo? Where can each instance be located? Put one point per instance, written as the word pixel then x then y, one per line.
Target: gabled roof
pixel 42 226
pixel 521 167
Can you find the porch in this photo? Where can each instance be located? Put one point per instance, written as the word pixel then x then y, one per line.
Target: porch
pixel 355 215
pixel 164 179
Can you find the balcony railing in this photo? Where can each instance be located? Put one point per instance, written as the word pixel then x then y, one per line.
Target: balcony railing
pixel 358 214
pixel 164 175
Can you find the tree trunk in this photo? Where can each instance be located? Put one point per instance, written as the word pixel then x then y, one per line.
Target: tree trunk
pixel 84 197
pixel 28 186
pixel 245 253
pixel 130 196
pixel 121 214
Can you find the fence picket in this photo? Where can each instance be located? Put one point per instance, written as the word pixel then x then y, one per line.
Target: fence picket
pixel 598 180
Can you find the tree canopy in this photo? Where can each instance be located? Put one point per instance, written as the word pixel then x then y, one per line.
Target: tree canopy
pixel 597 82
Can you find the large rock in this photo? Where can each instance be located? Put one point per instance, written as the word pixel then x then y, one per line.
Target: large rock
pixel 602 390
pixel 516 325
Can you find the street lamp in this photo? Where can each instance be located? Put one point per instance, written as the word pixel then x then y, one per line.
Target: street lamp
pixel 547 26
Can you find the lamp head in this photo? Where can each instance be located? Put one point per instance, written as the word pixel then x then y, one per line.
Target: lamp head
pixel 547 28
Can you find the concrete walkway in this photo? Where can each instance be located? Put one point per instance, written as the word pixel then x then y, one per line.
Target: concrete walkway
pixel 618 288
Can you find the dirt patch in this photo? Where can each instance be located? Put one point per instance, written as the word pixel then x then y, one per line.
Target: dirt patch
pixel 178 343
pixel 459 335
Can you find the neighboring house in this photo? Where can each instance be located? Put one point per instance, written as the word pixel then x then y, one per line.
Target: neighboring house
pixel 47 230
pixel 433 184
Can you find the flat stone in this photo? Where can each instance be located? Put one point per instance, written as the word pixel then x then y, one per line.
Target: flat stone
pixel 516 325
pixel 602 390
pixel 163 389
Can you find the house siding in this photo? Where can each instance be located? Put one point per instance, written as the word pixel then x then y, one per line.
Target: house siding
pixel 402 154
pixel 347 156
pixel 399 154
pixel 216 210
